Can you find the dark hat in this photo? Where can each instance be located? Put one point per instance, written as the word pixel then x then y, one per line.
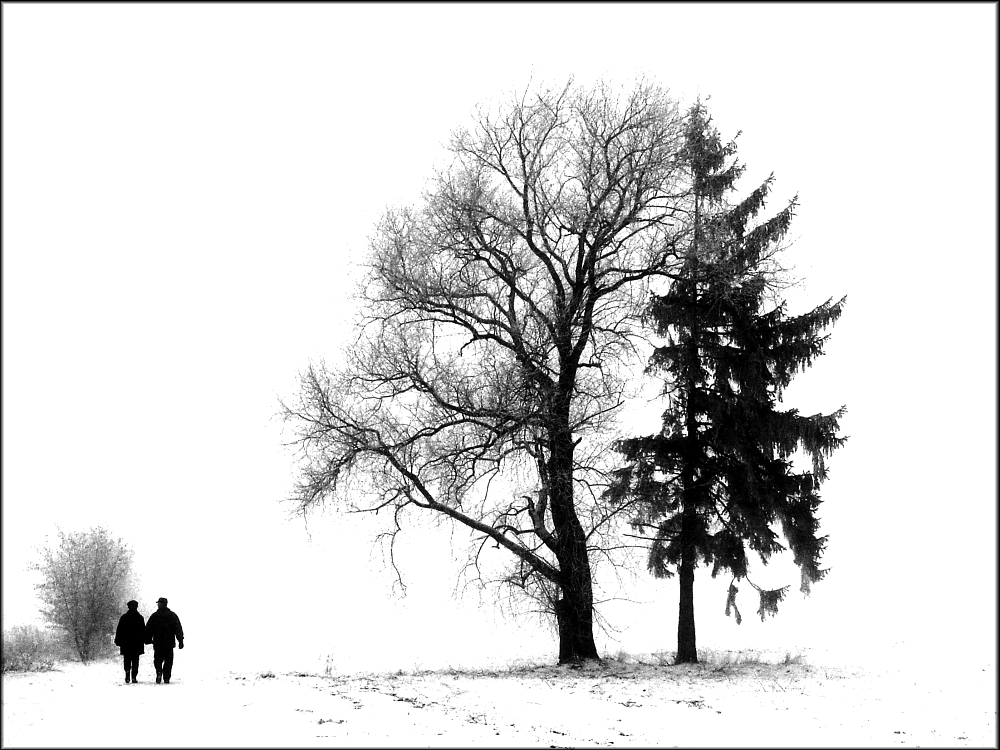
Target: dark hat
pixel 162 599
pixel 131 604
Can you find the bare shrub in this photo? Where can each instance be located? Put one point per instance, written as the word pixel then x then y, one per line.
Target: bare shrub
pixel 27 648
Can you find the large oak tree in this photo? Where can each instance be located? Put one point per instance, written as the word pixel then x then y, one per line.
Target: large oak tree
pixel 496 338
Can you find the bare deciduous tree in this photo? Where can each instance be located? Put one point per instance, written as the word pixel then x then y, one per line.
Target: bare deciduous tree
pixel 86 579
pixel 497 319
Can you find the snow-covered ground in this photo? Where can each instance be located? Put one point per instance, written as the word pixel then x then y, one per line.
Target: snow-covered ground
pixel 627 701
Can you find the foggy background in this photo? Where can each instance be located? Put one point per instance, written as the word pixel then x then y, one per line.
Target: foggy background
pixel 186 188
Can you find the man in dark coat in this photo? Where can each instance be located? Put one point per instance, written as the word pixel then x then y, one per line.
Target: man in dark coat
pixel 161 628
pixel 130 637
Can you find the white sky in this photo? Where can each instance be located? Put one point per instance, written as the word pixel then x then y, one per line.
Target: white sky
pixel 185 186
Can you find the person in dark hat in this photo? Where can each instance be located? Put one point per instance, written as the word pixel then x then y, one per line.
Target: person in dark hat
pixel 161 629
pixel 130 637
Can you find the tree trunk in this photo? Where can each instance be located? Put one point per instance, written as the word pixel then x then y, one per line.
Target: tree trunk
pixel 575 608
pixel 575 618
pixel 687 651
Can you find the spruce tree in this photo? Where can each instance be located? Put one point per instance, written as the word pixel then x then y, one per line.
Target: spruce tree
pixel 718 479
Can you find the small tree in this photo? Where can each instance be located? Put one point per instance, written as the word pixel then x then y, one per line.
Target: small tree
pixel 86 579
pixel 719 475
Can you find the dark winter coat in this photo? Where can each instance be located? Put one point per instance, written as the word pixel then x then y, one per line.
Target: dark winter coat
pixel 131 633
pixel 161 628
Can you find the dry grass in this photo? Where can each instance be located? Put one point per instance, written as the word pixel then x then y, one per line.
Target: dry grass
pixel 710 661
pixel 27 648
pixel 716 659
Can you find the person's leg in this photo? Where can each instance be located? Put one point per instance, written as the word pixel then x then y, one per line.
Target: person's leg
pixel 135 666
pixel 168 663
pixel 158 664
pixel 126 659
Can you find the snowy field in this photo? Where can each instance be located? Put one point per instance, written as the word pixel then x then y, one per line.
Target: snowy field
pixel 733 700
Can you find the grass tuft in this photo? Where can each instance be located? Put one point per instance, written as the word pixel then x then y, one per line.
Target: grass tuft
pixel 793 659
pixel 722 660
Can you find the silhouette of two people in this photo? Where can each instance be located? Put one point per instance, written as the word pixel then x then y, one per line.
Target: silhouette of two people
pixel 161 630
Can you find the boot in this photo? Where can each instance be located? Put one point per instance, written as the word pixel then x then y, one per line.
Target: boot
pixel 126 678
pixel 135 677
pixel 159 678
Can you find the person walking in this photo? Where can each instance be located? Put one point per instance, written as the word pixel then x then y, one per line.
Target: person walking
pixel 130 637
pixel 161 628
